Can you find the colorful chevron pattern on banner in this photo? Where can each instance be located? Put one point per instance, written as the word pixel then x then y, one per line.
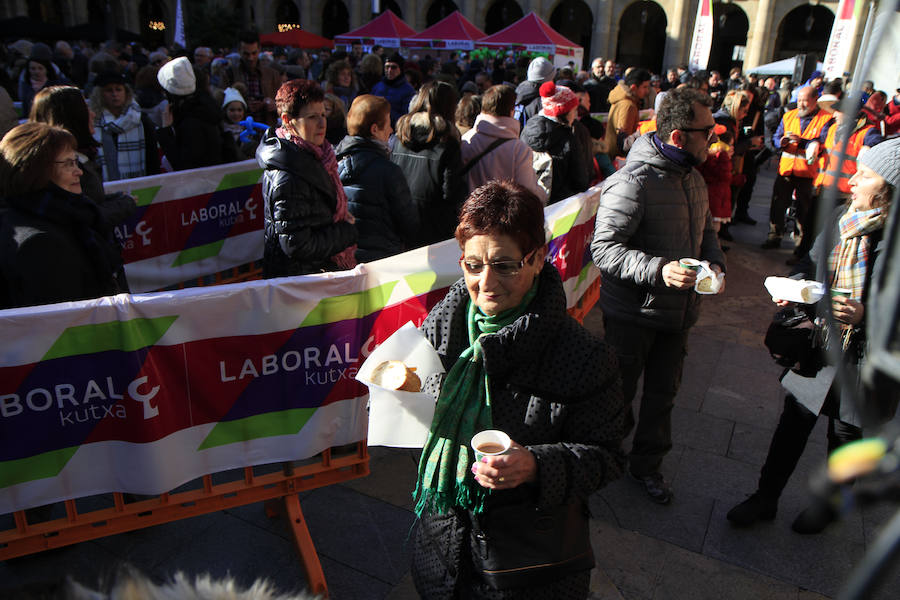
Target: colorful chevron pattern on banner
pixel 142 393
pixel 191 223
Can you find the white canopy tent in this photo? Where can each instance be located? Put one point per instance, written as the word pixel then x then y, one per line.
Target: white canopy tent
pixel 779 67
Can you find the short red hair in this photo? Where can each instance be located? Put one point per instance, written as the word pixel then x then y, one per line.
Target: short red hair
pixel 294 94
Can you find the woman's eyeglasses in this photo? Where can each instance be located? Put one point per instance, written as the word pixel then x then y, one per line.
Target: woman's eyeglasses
pixel 503 268
pixel 70 163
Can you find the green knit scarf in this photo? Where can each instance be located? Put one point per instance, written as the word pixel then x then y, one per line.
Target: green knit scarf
pixel 463 409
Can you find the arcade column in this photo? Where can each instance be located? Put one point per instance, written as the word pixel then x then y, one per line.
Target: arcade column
pixel 757 40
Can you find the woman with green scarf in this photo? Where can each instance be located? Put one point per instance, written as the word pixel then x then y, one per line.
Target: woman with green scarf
pixel 516 362
pixel 858 232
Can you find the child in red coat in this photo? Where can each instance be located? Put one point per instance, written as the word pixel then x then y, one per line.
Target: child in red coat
pixel 717 171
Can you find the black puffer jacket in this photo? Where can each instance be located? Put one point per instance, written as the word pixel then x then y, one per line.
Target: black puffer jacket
pixel 379 198
pixel 195 138
pixel 116 207
pixel 56 247
pixel 432 172
pixel 556 390
pixel 300 201
pixel 652 211
pixel 571 174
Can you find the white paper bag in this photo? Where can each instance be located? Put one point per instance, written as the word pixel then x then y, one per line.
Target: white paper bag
pixel 714 283
pixel 795 290
pixel 401 419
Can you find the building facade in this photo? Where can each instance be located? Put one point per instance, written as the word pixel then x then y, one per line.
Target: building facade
pixel 652 33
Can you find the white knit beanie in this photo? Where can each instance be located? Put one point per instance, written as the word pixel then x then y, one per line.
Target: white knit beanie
pixel 177 77
pixel 232 95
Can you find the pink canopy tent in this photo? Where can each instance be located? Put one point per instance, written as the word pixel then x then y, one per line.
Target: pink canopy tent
pixel 533 34
pixel 387 29
pixel 296 38
pixel 453 32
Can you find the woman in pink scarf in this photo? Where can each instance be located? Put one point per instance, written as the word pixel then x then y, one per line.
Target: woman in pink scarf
pixel 308 227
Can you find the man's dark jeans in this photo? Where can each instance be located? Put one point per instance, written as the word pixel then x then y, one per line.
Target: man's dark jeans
pixel 660 356
pixel 785 187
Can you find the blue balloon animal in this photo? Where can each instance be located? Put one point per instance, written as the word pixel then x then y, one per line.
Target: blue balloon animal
pixel 249 125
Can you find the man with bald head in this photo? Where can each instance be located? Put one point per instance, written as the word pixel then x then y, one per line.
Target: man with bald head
pixel 797 130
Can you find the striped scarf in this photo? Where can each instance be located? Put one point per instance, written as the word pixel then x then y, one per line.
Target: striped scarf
pixel 849 260
pixel 123 152
pixel 463 409
pixel 346 258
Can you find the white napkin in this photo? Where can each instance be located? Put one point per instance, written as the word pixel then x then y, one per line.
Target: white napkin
pixel 401 419
pixel 795 290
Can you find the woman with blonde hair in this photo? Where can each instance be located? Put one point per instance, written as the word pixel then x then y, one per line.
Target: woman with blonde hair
pixel 428 152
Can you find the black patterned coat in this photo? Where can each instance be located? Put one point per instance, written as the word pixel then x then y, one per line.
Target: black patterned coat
pixel 556 390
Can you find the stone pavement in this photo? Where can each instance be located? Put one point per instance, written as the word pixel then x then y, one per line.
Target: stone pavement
pixel 729 403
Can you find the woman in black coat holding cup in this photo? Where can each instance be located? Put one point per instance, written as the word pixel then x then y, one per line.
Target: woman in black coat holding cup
pixel 516 362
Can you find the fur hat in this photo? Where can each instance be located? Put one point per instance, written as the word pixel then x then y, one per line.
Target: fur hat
pixel 540 70
pixel 232 95
pixel 41 52
pixel 884 159
pixel 108 77
pixel 557 100
pixel 177 77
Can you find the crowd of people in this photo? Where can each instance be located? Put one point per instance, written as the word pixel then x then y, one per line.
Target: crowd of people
pixel 366 155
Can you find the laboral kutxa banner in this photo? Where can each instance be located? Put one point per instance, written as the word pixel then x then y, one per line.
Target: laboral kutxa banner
pixel 143 393
pixel 189 224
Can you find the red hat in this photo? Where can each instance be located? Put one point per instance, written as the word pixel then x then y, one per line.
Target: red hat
pixel 557 100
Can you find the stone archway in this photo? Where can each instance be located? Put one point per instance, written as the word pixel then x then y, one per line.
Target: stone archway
pixel 391 6
pixel 805 29
pixel 574 20
pixel 438 10
pixel 642 36
pixel 335 19
pixel 730 27
pixel 502 14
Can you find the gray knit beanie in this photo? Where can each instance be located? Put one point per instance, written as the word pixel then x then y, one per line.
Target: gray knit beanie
pixel 540 70
pixel 884 159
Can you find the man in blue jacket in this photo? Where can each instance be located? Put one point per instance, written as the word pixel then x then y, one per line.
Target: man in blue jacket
pixel 394 88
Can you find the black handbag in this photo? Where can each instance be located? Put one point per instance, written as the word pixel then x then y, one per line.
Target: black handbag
pixel 522 544
pixel 793 343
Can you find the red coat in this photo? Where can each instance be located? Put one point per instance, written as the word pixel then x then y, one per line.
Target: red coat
pixel 716 171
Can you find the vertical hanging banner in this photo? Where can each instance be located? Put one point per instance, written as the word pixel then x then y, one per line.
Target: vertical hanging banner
pixel 179 26
pixel 141 393
pixel 703 34
pixel 843 32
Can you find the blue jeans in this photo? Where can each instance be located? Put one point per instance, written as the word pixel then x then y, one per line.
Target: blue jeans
pixel 659 355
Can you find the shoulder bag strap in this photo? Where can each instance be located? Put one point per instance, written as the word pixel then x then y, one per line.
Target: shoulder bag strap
pixel 486 151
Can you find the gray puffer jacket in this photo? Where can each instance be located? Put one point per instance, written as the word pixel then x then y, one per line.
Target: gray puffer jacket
pixel 652 211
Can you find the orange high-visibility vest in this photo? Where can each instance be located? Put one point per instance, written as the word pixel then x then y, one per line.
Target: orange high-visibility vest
pixel 845 170
pixel 795 164
pixel 647 126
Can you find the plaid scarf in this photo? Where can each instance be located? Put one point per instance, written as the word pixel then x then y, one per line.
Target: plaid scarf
pixel 346 258
pixel 850 258
pixel 123 153
pixel 463 409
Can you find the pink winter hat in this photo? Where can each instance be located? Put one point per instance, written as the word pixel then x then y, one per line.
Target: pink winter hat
pixel 557 100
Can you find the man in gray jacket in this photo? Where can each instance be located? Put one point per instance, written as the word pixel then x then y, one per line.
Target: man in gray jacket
pixel 653 212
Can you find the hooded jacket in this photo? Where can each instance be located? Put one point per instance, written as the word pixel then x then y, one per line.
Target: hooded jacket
pixel 510 160
pixel 386 219
pixel 652 211
pixel 623 118
pixel 432 170
pixel 299 205
pixel 570 173
pixel 528 94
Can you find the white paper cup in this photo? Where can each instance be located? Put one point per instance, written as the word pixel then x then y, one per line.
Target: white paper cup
pixel 490 442
pixel 689 263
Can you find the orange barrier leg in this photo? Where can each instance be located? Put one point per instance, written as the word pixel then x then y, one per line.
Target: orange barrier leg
pixel 305 547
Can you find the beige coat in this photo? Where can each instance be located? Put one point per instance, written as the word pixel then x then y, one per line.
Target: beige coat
pixel 623 118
